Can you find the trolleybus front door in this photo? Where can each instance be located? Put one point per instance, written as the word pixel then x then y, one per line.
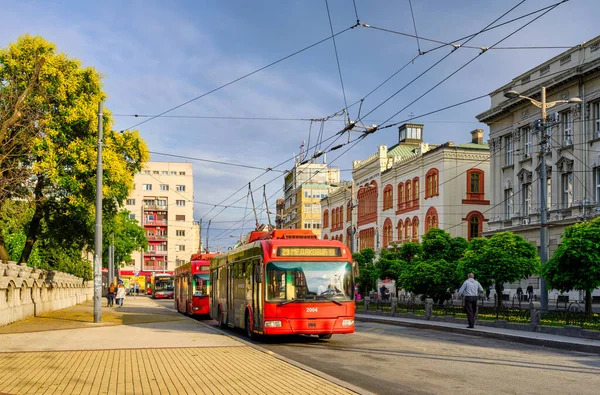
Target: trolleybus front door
pixel 257 293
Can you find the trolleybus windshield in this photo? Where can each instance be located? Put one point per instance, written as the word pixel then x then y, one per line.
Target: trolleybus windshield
pixel 201 283
pixel 163 284
pixel 309 281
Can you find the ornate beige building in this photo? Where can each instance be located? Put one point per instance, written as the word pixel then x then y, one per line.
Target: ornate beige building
pixel 401 192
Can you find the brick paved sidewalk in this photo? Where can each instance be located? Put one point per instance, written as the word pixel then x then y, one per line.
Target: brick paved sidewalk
pixel 143 348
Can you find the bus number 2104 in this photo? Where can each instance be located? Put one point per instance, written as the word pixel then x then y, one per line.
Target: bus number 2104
pixel 312 309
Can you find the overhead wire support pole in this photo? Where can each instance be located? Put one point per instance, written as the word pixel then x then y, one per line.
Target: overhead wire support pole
pixel 267 205
pixel 98 235
pixel 253 205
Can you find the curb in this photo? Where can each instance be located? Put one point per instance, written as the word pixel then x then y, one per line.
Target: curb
pixel 563 345
pixel 299 365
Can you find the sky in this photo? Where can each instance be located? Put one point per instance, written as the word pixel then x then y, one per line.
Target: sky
pixel 157 55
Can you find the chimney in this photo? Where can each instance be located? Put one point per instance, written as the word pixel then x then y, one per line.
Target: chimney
pixel 477 136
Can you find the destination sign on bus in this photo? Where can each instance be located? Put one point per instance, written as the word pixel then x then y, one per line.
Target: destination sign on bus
pixel 309 251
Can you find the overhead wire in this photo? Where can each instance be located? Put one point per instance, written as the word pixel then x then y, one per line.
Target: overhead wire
pixel 241 78
pixel 412 14
pixel 337 59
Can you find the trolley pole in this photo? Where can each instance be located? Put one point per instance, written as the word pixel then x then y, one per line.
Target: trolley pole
pixel 98 235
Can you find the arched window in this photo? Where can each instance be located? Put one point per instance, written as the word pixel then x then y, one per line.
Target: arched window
pixel 400 196
pixel 388 197
pixel 349 211
pixel 325 219
pixel 408 193
pixel 367 204
pixel 387 232
pixel 325 237
pixel 432 183
pixel 416 191
pixel 415 229
pixel 399 230
pixel 475 224
pixel 407 229
pixel 475 187
pixel 431 219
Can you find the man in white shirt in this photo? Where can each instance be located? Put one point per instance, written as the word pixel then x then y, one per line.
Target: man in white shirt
pixel 470 289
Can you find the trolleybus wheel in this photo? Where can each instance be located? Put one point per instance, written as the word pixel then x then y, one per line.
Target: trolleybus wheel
pixel 249 332
pixel 325 337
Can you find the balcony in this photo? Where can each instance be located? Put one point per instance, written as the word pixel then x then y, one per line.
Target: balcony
pixel 156 238
pixel 154 207
pixel 157 253
pixel 157 222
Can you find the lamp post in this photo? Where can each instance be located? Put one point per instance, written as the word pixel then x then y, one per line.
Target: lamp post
pixel 543 105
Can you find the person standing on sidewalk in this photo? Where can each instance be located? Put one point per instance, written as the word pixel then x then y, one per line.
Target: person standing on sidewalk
pixel 110 296
pixel 470 289
pixel 120 294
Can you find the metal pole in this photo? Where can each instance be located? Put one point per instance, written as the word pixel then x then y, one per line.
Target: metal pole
pixel 352 218
pixel 108 266
pixel 544 207
pixel 207 229
pixel 98 236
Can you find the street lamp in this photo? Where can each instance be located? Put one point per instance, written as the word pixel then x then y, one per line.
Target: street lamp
pixel 543 105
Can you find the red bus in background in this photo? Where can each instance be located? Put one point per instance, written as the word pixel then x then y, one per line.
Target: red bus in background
pixel 284 282
pixel 162 286
pixel 192 285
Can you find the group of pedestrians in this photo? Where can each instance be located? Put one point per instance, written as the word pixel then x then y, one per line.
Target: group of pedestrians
pixel 116 292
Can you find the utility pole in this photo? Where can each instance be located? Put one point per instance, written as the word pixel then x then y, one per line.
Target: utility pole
pixel 98 235
pixel 544 205
pixel 352 230
pixel 207 229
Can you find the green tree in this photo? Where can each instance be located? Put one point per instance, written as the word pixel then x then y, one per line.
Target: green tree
pixel 126 234
pixel 504 258
pixel 368 272
pixel 432 270
pixel 48 125
pixel 576 262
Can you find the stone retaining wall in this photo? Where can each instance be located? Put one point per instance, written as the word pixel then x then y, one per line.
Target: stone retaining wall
pixel 27 292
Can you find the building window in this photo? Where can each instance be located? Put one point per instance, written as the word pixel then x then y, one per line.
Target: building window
pixel 544 69
pixel 431 219
pixel 526 138
pixel 508 203
pixel 161 202
pixel 596 118
pixel 155 172
pixel 416 191
pixel 508 143
pixel 387 232
pixel 146 187
pixel 173 173
pixel 475 224
pixel 180 232
pixel 432 183
pixel 182 173
pixel 146 171
pixel 180 218
pixel 408 194
pixel 475 179
pixel 415 229
pixel 399 228
pixel 597 182
pixel 180 202
pixel 180 247
pixel 388 197
pixel 164 187
pixel 400 196
pixel 567 187
pixel 131 216
pixel 566 127
pixel 180 188
pixel 325 219
pixel 130 202
pixel 407 229
pixel 526 201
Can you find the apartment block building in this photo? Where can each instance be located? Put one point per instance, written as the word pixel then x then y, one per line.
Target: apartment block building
pixel 571 155
pixel 304 187
pixel 401 192
pixel 163 203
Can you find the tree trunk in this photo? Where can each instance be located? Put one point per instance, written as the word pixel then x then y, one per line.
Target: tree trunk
pixel 588 303
pixel 34 225
pixel 498 296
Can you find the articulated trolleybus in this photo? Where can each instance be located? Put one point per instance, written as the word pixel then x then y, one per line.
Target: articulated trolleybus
pixel 284 282
pixel 162 286
pixel 192 285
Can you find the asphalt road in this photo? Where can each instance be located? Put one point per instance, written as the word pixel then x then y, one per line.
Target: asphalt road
pixel 388 359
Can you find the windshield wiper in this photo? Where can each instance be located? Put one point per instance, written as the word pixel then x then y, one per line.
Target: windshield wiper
pixel 336 302
pixel 289 301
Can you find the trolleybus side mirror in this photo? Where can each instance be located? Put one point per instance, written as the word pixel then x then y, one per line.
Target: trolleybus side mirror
pixel 258 274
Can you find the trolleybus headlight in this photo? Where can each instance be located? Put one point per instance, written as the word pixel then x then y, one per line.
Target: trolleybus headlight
pixel 347 322
pixel 273 324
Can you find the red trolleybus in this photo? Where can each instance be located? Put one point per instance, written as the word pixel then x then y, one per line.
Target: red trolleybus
pixel 162 286
pixel 284 282
pixel 192 285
